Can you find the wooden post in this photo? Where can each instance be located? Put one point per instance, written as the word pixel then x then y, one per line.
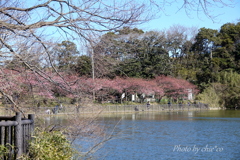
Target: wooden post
pixel 18 135
pixel 1 136
pixel 31 117
pixel 8 140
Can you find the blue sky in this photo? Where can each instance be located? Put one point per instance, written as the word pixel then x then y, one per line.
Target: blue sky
pixel 172 17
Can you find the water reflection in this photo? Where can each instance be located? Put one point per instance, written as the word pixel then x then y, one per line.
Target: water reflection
pixel 170 135
pixel 216 135
pixel 152 116
pixel 184 115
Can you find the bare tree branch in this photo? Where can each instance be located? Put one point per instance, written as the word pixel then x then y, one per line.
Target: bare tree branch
pixel 25 27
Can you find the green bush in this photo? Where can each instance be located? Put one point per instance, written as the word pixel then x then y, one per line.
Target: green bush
pixel 3 151
pixel 49 145
pixel 211 97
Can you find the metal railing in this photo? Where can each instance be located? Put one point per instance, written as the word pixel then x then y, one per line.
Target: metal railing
pixel 163 107
pixel 114 108
pixel 117 108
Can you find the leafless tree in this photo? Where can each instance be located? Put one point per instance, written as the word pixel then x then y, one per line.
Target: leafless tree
pixel 26 29
pixel 198 7
pixel 23 27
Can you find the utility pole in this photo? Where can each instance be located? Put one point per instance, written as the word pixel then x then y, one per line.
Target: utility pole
pixel 93 72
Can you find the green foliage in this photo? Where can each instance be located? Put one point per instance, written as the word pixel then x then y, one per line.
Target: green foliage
pixel 164 100
pixel 131 68
pixel 83 66
pixel 49 145
pixel 128 30
pixel 225 92
pixel 211 97
pixel 3 151
pixel 134 53
pixel 188 74
pixel 228 77
pixel 66 53
pixel 206 62
pixel 128 52
pixel 205 40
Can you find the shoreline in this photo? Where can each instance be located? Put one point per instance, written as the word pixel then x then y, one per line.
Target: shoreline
pixel 102 110
pixel 105 113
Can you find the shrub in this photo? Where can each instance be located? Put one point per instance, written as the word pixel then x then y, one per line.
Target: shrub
pixel 211 97
pixel 3 151
pixel 49 145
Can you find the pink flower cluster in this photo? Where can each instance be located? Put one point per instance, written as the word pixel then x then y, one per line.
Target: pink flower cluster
pixel 47 84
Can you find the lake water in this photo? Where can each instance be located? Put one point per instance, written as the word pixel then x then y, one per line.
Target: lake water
pixel 186 135
pixel 173 135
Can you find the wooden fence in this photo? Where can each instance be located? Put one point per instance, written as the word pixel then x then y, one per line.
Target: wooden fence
pixel 15 132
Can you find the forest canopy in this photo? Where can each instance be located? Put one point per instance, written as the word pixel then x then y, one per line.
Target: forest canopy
pixel 132 61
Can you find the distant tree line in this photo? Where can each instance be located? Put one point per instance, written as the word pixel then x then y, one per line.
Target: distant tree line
pixel 180 52
pixel 32 57
pixel 201 56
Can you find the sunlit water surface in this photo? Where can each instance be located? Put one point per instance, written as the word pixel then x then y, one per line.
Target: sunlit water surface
pixel 171 135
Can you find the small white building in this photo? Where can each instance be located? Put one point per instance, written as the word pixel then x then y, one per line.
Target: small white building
pixel 143 98
pixel 190 94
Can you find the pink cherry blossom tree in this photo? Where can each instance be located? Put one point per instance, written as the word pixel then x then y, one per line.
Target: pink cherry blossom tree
pixel 174 87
